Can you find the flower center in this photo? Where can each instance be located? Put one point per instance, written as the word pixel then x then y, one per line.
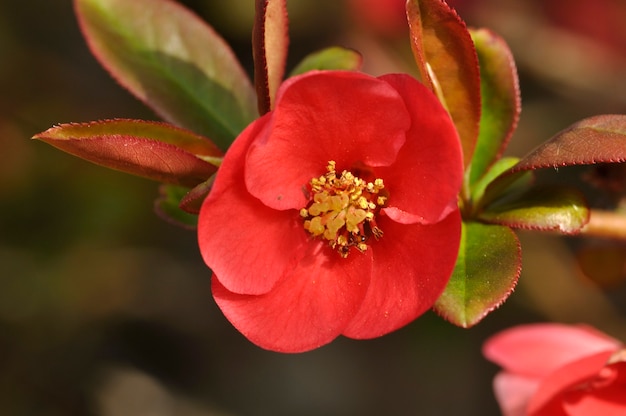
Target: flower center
pixel 342 209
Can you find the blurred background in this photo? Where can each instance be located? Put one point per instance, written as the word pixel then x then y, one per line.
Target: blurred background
pixel 106 310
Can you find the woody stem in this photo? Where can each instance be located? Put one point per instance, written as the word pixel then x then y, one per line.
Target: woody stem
pixel 605 224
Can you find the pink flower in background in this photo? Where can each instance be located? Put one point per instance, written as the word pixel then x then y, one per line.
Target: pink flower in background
pixel 335 213
pixel 555 369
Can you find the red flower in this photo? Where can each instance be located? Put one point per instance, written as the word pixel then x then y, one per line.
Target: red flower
pixel 336 212
pixel 554 370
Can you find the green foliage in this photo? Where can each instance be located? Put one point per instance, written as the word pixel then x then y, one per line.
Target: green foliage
pixel 500 99
pixel 549 208
pixel 486 272
pixel 328 59
pixel 477 195
pixel 173 61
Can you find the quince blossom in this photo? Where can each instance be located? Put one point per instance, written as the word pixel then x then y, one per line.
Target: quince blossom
pixel 335 213
pixel 558 370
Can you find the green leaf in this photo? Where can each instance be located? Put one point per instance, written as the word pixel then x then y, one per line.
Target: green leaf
pixel 478 190
pixel 152 150
pixel 448 64
pixel 270 40
pixel 173 61
pixel 335 57
pixel 483 193
pixel 485 274
pixel 500 100
pixel 547 208
pixel 167 207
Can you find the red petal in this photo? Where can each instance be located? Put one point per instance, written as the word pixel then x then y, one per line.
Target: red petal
pixel 308 308
pixel 608 400
pixel 550 392
pixel 412 265
pixel 426 178
pixel 347 117
pixel 248 245
pixel 539 349
pixel 513 393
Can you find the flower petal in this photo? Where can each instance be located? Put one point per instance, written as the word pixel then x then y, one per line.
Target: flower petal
pixel 513 392
pixel 539 349
pixel 348 117
pixel 307 308
pixel 578 374
pixel 426 178
pixel 412 265
pixel 232 218
pixel 607 400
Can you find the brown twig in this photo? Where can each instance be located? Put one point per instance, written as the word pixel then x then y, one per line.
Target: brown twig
pixel 605 224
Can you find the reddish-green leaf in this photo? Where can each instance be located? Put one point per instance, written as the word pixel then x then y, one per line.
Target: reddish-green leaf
pixel 448 65
pixel 500 100
pixel 173 61
pixel 559 209
pixel 192 201
pixel 167 206
pixel 485 274
pixel 270 40
pixel 330 58
pixel 152 150
pixel 599 139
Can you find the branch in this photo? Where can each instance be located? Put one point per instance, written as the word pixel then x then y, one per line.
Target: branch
pixel 605 224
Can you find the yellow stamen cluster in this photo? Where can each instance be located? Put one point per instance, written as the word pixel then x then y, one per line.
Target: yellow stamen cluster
pixel 342 209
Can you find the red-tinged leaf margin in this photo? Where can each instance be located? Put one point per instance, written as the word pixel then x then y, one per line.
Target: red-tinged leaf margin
pixel 598 139
pixel 192 201
pixel 270 42
pixel 501 102
pixel 448 65
pixel 559 209
pixel 152 150
pixel 486 273
pixel 173 61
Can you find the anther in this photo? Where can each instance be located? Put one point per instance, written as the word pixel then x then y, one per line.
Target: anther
pixel 342 209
